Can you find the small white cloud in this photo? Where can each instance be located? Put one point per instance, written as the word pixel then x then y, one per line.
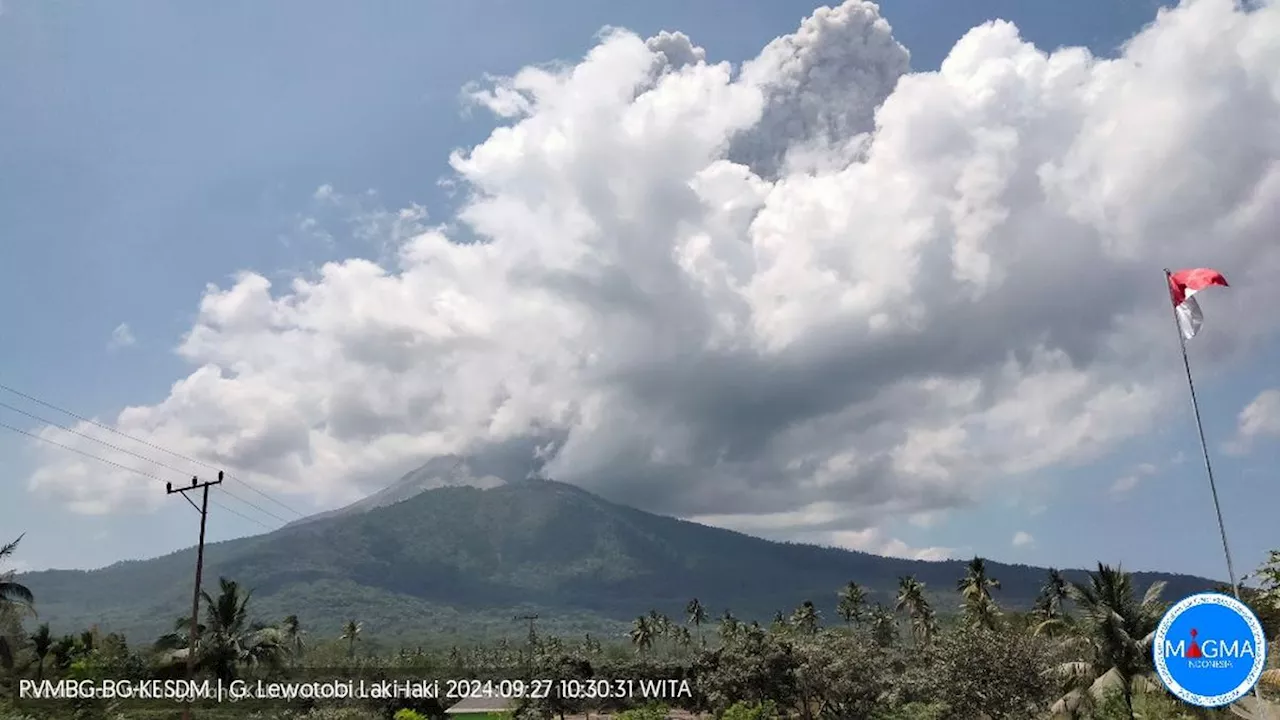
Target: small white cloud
pixel 1023 539
pixel 926 519
pixel 1123 486
pixel 873 540
pixel 1259 419
pixel 121 337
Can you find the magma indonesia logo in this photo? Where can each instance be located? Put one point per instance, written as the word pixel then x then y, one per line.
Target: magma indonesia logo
pixel 1210 650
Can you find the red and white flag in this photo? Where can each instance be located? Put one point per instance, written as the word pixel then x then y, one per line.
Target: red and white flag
pixel 1183 285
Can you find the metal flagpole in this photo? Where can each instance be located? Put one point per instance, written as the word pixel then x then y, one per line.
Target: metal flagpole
pixel 1208 470
pixel 1204 447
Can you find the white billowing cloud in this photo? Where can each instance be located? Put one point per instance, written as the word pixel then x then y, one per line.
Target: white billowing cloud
pixel 1125 484
pixel 811 295
pixel 1259 419
pixel 1023 539
pixel 121 337
pixel 361 218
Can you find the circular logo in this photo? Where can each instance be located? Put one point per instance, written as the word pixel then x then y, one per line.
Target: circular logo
pixel 1210 650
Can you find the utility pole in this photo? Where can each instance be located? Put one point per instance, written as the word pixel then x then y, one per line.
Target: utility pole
pixel 533 638
pixel 195 596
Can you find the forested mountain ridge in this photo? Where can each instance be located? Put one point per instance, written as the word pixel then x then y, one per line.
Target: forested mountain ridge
pixel 457 560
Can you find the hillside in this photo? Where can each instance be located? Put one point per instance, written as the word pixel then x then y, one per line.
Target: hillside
pixel 460 560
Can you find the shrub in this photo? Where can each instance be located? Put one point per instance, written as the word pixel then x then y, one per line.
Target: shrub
pixel 648 712
pixel 751 711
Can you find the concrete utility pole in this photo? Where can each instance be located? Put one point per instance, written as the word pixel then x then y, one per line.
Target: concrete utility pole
pixel 533 638
pixel 195 597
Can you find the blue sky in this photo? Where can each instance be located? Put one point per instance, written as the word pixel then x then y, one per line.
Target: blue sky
pixel 150 150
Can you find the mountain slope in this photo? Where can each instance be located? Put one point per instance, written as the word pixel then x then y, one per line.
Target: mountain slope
pixel 461 560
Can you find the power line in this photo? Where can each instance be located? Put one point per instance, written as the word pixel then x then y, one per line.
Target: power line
pixel 113 463
pixel 126 468
pixel 144 458
pixel 154 446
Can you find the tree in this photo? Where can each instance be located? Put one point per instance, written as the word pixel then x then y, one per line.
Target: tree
pixel 15 598
pixel 839 676
pixel 979 607
pixel 912 601
pixel 997 674
pixel 351 633
pixel 660 625
pixel 1116 632
pixel 1049 609
pixel 13 594
pixel 1269 575
pixel 41 644
pixel 729 626
pixel 293 634
pixel 697 615
pixel 229 639
pixel 884 628
pixel 642 633
pixel 853 600
pixel 779 624
pixel 806 618
pixel 754 666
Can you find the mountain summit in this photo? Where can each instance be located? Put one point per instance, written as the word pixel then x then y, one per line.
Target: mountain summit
pixel 444 471
pixel 461 560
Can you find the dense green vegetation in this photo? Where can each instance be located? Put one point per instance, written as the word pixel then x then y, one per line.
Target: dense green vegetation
pixel 1081 651
pixel 457 563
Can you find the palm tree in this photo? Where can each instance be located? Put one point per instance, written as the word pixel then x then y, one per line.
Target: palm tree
pixel 351 633
pixel 1050 605
pixel 12 593
pixel 228 638
pixel 806 618
pixel 911 599
pixel 13 596
pixel 980 609
pixel 683 637
pixel 853 600
pixel 697 615
pixel 729 626
pixel 884 628
pixel 293 633
pixel 779 623
pixel 41 644
pixel 642 633
pixel 225 640
pixel 1117 630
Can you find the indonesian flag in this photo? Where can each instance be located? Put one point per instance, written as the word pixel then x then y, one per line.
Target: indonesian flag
pixel 1183 285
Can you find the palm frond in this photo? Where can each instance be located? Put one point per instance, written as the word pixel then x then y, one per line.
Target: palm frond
pixel 1152 596
pixel 1074 674
pixel 7 550
pixel 1107 683
pixel 14 592
pixel 1270 679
